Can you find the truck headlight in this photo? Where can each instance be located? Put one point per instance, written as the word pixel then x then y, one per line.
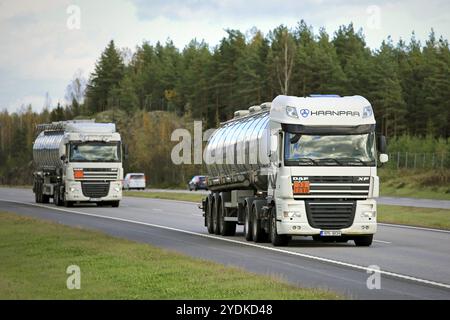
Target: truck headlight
pixel 292 214
pixel 117 189
pixel 291 112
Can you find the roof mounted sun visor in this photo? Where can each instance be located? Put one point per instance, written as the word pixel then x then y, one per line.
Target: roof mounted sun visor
pixel 328 130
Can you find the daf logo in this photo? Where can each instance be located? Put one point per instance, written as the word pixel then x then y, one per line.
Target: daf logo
pixel 300 179
pixel 304 113
pixel 362 179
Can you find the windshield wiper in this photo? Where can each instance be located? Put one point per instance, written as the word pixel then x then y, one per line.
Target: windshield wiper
pixel 356 160
pixel 311 161
pixel 329 159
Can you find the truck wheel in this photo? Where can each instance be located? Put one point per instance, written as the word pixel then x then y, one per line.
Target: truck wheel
pixel 258 232
pixel 363 241
pixel 115 204
pixel 45 198
pixel 227 228
pixel 278 240
pixel 37 194
pixel 216 219
pixel 57 198
pixel 248 229
pixel 208 217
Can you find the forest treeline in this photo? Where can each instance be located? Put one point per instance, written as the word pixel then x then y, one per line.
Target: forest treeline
pixel 158 88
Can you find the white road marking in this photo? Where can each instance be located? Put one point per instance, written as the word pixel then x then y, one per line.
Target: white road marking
pixel 249 244
pixel 412 227
pixel 381 241
pixel 157 210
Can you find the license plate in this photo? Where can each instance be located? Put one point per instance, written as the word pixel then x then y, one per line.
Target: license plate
pixel 95 199
pixel 330 233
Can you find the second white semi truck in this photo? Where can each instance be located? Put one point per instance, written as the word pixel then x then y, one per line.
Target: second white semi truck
pixel 78 161
pixel 296 167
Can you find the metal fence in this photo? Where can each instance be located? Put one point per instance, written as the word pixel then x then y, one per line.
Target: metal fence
pixel 408 160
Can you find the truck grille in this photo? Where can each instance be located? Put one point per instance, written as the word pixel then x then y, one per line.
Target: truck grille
pixel 95 189
pixel 100 174
pixel 337 186
pixel 330 215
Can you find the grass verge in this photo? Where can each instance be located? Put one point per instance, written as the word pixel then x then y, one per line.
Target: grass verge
pixel 430 184
pixel 419 217
pixel 35 254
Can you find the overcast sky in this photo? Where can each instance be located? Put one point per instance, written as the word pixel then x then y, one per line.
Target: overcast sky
pixel 44 42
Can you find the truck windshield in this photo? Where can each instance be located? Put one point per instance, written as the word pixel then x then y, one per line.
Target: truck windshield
pixel 95 152
pixel 329 150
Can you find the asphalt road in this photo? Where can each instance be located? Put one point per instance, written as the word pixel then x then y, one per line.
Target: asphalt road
pixel 414 263
pixel 393 201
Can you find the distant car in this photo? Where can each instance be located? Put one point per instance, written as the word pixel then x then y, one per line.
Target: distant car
pixel 197 183
pixel 134 181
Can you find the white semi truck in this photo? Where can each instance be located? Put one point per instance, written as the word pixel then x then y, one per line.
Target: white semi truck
pixel 296 167
pixel 78 161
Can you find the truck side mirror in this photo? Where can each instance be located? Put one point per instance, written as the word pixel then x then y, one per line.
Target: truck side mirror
pixel 382 148
pixel 125 151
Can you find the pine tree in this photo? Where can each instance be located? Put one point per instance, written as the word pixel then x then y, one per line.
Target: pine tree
pixel 108 73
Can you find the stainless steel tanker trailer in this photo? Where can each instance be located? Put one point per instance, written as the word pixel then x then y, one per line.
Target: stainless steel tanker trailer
pixel 296 167
pixel 78 161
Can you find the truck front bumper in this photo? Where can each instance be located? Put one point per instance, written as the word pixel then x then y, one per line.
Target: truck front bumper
pixel 364 223
pixel 74 192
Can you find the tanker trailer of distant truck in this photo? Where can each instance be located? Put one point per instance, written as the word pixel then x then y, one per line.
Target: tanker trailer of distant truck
pixel 78 161
pixel 299 166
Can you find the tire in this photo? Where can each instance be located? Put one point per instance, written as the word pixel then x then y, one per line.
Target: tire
pixel 227 228
pixel 278 240
pixel 45 198
pixel 258 232
pixel 115 204
pixel 363 241
pixel 209 217
pixel 37 194
pixel 67 204
pixel 248 229
pixel 57 198
pixel 215 214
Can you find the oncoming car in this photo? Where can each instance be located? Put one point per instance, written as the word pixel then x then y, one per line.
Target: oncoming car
pixel 197 183
pixel 134 181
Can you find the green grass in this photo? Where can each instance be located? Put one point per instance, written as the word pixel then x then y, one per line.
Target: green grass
pixel 420 193
pixel 34 255
pixel 432 184
pixel 192 197
pixel 420 217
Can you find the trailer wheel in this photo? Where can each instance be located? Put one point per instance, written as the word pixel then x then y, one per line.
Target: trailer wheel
pixel 248 229
pixel 37 193
pixel 258 233
pixel 57 197
pixel 363 241
pixel 227 228
pixel 278 240
pixel 45 198
pixel 215 214
pixel 208 215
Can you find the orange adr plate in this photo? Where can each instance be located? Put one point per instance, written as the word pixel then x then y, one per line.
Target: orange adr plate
pixel 300 187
